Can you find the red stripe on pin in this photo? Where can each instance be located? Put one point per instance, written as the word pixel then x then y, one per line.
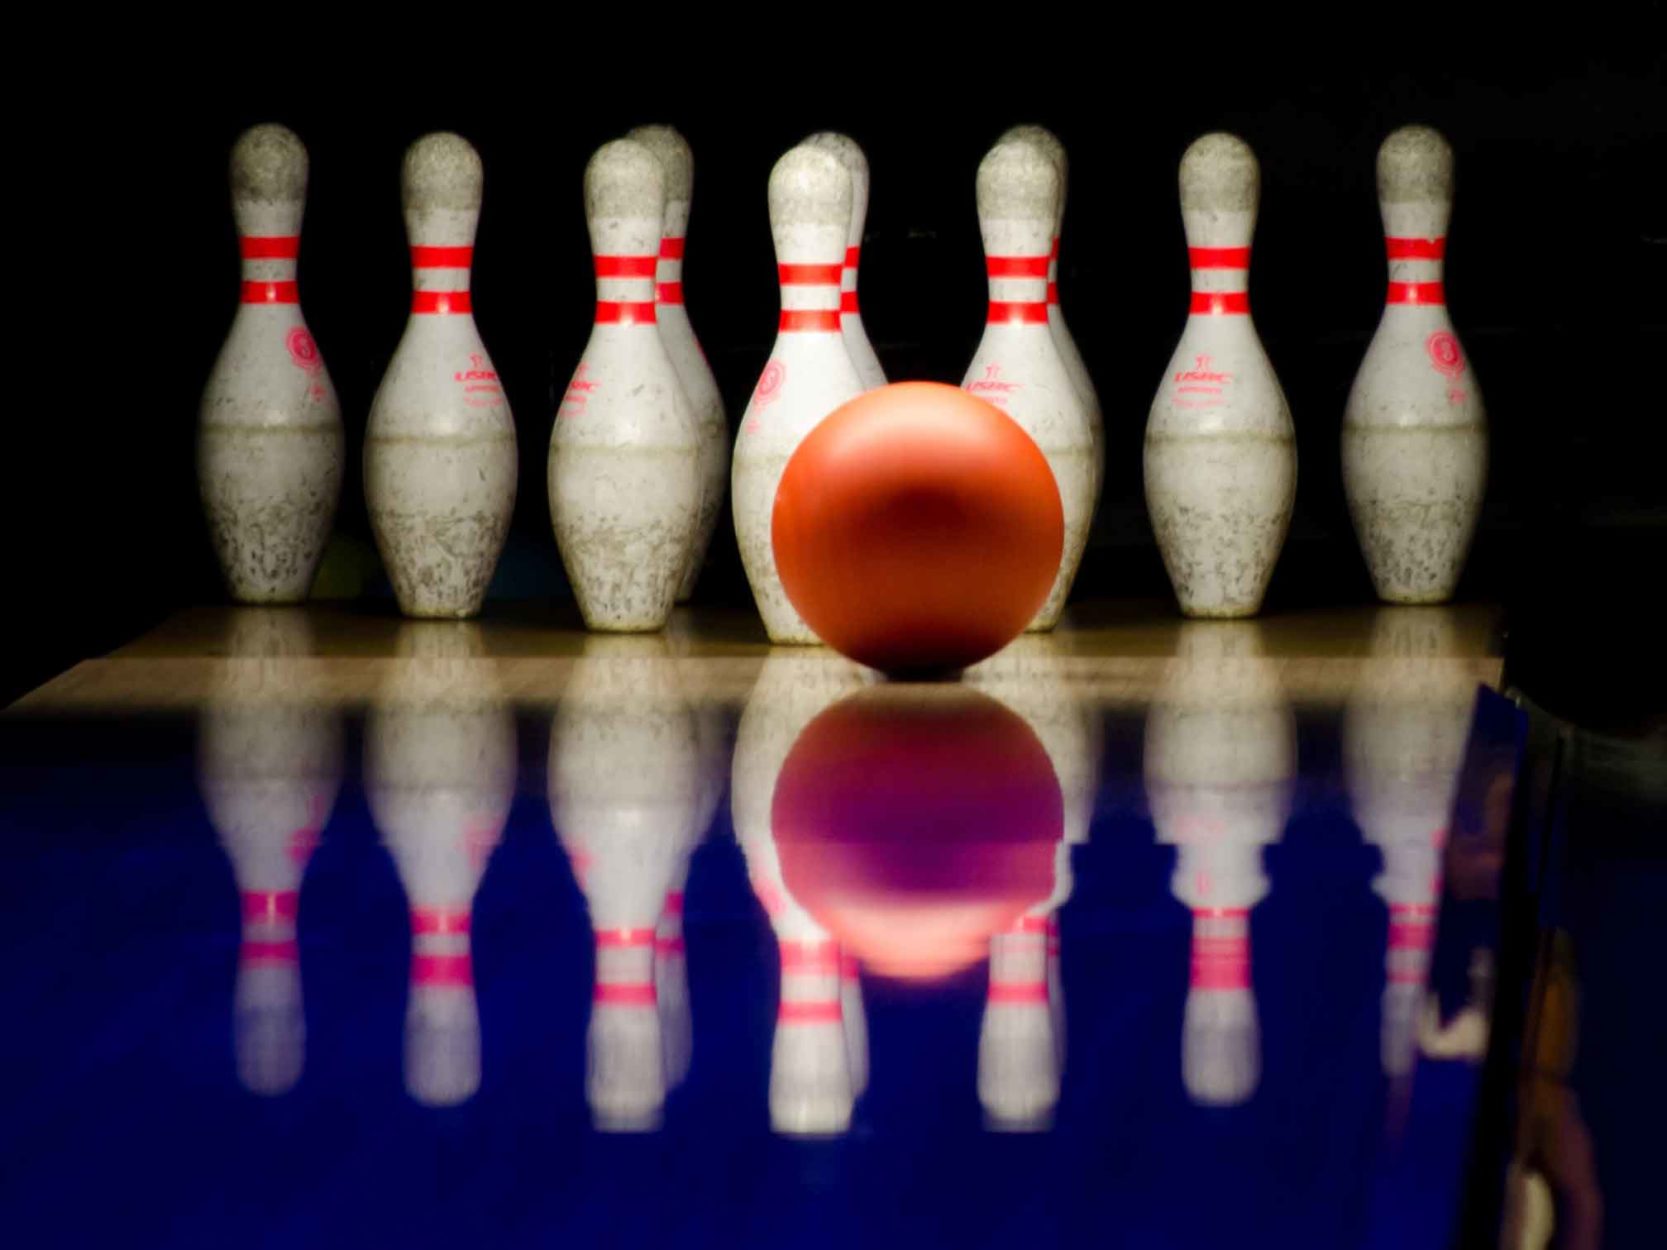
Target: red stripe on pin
pixel 270 293
pixel 669 293
pixel 269 952
pixel 624 994
pixel 1029 313
pixel 1053 292
pixel 615 938
pixel 1016 266
pixel 269 246
pixel 1415 249
pixel 852 256
pixel 1220 303
pixel 819 1012
pixel 1053 250
pixel 848 303
pixel 441 302
pixel 671 247
pixel 442 970
pixel 809 275
pixel 441 257
pixel 617 312
pixel 270 906
pixel 810 319
pixel 1018 991
pixel 626 266
pixel 1416 293
pixel 438 921
pixel 1219 257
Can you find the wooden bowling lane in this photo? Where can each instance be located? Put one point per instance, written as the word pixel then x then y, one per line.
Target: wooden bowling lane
pixel 1111 654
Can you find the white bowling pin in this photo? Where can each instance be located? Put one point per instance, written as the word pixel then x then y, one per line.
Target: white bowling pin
pixel 1219 761
pixel 1221 461
pixel 440 763
pixel 624 473
pixel 268 767
pixel 850 314
pixel 440 458
pixel 269 437
pixel 809 373
pixel 679 337
pixel 1415 439
pixel 624 791
pixel 1017 365
pixel 1049 142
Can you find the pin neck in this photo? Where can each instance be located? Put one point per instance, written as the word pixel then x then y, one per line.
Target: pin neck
pixel 1018 289
pixel 810 296
pixel 1415 269
pixel 669 275
pixel 1220 280
pixel 1220 949
pixel 269 263
pixel 440 276
pixel 625 289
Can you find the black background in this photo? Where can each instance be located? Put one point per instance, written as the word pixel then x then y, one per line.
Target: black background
pixel 1556 277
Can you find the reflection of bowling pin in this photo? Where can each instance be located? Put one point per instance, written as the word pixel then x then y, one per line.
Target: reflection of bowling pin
pixel 809 373
pixel 1404 734
pixel 624 452
pixel 440 458
pixel 440 776
pixel 850 315
pixel 679 337
pixel 1018 366
pixel 1220 757
pixel 1415 440
pixel 624 780
pixel 1221 461
pixel 269 443
pixel 269 763
pixel 814 1074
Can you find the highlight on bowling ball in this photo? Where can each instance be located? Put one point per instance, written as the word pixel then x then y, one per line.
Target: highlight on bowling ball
pixel 917 529
pixel 914 823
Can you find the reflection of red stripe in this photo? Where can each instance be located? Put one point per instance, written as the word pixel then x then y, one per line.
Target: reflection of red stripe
pixel 269 952
pixel 669 293
pixel 626 266
pixel 671 247
pixel 1032 312
pixel 1220 963
pixel 442 257
pixel 848 303
pixel 810 957
pixel 614 938
pixel 1031 924
pixel 1016 266
pixel 1415 249
pixel 810 319
pixel 441 302
pixel 819 1012
pixel 849 969
pixel 442 970
pixel 1219 257
pixel 624 994
pixel 615 312
pixel 668 946
pixel 1417 293
pixel 1219 302
pixel 271 293
pixel 1018 991
pixel 434 921
pixel 270 906
pixel 673 904
pixel 269 246
pixel 808 275
pixel 1411 935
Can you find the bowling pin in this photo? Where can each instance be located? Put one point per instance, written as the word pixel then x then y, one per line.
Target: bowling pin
pixel 809 373
pixel 1017 365
pixel 1049 142
pixel 1019 1057
pixel 1415 440
pixel 1405 729
pixel 1221 461
pixel 1219 761
pixel 624 470
pixel 268 768
pixel 269 439
pixel 850 315
pixel 440 763
pixel 624 791
pixel 440 458
pixel 678 334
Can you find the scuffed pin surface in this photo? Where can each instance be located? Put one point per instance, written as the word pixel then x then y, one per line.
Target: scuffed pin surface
pixel 269 440
pixel 1221 472
pixel 850 155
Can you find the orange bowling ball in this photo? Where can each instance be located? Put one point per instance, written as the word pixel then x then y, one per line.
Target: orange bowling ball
pixel 917 528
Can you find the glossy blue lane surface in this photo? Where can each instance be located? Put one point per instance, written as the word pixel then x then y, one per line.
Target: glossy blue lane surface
pixel 1237 1042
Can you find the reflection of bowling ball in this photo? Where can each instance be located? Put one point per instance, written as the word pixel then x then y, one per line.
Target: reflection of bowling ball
pixel 913 823
pixel 917 528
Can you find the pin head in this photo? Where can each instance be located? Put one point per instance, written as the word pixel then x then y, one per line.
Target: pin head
pixel 677 162
pixel 1018 180
pixel 1043 138
pixel 1219 174
pixel 1415 165
pixel 442 171
pixel 269 164
pixel 810 186
pixel 625 181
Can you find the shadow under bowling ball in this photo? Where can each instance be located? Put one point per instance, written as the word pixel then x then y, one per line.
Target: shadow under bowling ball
pixel 915 822
pixel 917 529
